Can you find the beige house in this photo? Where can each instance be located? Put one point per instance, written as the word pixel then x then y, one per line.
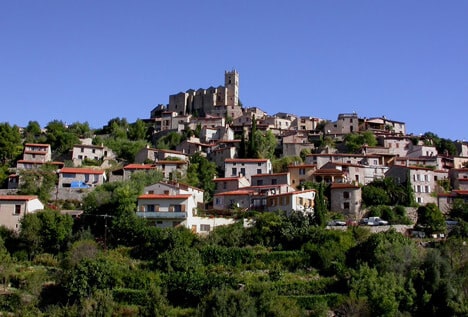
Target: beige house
pixel 301 173
pixel 14 207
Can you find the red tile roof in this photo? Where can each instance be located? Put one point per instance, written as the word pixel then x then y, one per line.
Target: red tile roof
pixel 78 170
pixel 139 167
pixel 17 197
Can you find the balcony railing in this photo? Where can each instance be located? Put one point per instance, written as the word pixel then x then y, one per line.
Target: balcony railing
pixel 162 215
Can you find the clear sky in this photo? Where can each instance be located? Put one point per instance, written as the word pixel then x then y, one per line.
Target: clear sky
pixel 92 61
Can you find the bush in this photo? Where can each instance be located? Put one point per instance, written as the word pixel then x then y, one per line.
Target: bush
pixel 46 259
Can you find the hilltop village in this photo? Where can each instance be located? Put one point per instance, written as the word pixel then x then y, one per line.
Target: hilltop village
pixel 211 208
pixel 263 162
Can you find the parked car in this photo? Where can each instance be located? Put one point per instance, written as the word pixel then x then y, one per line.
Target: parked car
pixel 336 223
pixel 376 221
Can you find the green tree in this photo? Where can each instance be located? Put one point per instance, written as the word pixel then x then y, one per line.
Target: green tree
pixel 320 207
pixel 40 182
pixel 251 145
pixel 459 209
pixel 280 165
pixel 82 130
pixel 137 131
pixel 227 302
pixel 6 264
pixel 169 141
pixel 60 138
pixel 265 143
pixel 200 174
pixel 431 219
pixel 33 133
pixel 243 146
pixel 374 196
pixel 384 293
pixel 10 143
pixel 355 141
pixel 45 231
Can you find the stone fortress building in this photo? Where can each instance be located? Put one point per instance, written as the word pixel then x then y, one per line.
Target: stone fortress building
pixel 220 100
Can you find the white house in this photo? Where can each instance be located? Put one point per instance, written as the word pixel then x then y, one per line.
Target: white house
pixel 177 205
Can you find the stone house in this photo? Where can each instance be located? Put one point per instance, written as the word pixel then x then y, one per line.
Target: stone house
pixel 223 151
pixel 459 178
pixel 345 124
pixel 396 145
pixel 270 179
pixel 203 101
pixel 302 201
pixel 193 145
pixel 241 198
pixel 226 184
pixel 304 123
pixel 383 125
pixel 293 143
pixel 34 156
pixel 363 159
pixel 346 199
pixel 14 207
pixel 148 154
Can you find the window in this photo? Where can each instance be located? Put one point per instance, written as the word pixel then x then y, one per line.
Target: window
pixel 302 171
pixel 427 189
pixel 224 185
pixel 234 171
pixel 17 209
pixel 205 227
pixel 259 182
pixel 150 208
pixel 259 171
pixel 274 181
pixel 346 195
pixel 346 206
pixel 259 164
pixel 243 171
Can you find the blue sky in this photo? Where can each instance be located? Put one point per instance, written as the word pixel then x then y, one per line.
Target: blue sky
pixel 92 61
